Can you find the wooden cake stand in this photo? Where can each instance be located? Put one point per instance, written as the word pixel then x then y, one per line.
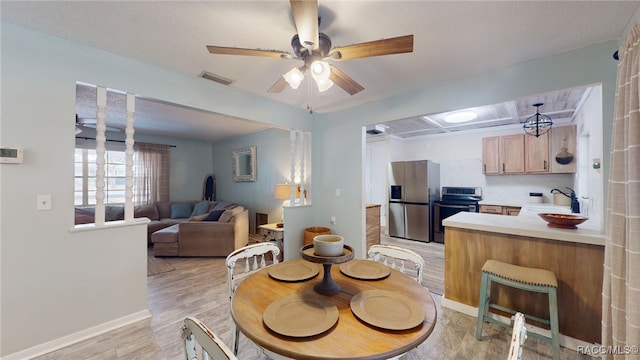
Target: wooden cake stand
pixel 327 286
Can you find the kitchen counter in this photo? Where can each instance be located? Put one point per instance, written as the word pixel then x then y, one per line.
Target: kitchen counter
pixel 528 223
pixel 575 256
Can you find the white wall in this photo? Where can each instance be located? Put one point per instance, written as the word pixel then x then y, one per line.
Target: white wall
pixel 376 174
pixel 590 181
pixel 460 158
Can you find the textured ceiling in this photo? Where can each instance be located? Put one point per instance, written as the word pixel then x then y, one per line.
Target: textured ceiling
pixel 561 106
pixel 452 39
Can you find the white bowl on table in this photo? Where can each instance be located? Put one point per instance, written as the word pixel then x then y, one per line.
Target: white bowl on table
pixel 328 245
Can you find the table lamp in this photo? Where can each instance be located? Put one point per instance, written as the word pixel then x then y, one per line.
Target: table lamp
pixel 282 192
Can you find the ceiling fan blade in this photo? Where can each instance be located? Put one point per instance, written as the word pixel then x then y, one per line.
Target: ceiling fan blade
pixel 278 86
pixel 344 81
pixel 397 45
pixel 305 15
pixel 221 50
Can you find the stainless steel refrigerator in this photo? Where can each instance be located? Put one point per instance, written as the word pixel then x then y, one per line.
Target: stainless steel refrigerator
pixel 413 187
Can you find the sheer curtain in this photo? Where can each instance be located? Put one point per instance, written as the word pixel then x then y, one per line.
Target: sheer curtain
pixel 150 173
pixel 621 284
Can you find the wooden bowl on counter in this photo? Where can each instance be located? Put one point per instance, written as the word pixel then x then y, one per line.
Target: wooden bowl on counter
pixel 563 221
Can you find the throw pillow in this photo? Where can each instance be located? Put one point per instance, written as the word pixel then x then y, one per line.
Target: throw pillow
pixel 198 217
pixel 180 210
pixel 229 213
pixel 200 208
pixel 214 215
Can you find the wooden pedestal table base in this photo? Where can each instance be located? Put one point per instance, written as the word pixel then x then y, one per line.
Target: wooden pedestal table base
pixel 326 286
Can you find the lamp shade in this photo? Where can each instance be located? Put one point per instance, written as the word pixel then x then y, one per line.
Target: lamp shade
pixel 282 191
pixel 320 71
pixel 294 77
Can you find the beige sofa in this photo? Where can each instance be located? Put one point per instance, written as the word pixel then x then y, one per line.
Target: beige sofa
pixel 201 237
pixel 197 238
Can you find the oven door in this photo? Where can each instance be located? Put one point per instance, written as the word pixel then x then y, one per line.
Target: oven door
pixel 442 211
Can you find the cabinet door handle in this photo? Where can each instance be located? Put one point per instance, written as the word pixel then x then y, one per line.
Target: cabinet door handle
pixel 484 167
pixel 503 168
pixel 545 165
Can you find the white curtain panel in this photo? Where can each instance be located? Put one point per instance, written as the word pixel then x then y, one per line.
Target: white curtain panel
pixel 150 173
pixel 621 283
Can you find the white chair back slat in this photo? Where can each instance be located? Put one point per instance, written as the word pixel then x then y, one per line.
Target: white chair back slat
pixel 194 332
pixel 254 260
pixel 518 336
pixel 395 257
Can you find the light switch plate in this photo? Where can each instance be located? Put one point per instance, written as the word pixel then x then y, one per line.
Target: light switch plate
pixel 43 202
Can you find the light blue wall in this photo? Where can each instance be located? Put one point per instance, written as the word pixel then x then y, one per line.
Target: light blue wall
pixel 190 161
pixel 273 154
pixel 338 153
pixel 78 281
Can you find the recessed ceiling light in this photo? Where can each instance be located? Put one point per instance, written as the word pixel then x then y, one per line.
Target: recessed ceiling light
pixel 460 117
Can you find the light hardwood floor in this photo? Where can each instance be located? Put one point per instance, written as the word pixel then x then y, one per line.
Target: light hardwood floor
pixel 197 287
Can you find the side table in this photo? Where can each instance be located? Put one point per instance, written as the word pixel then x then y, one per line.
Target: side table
pixel 271 232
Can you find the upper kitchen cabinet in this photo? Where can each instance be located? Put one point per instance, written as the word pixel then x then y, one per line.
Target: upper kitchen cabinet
pixel 512 152
pixel 563 149
pixel 503 155
pixel 552 152
pixel 537 154
pixel 491 155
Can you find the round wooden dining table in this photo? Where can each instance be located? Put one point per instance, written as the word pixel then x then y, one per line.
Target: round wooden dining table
pixel 350 337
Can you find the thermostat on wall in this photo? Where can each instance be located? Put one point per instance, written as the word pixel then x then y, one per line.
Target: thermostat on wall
pixel 11 155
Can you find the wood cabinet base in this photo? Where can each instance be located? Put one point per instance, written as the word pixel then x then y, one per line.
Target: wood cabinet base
pixel 578 268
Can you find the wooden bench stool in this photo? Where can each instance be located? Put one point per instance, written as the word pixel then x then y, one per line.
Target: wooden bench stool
pixel 519 277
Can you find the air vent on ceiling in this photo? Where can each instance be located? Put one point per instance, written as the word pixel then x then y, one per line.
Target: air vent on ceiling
pixel 378 129
pixel 217 78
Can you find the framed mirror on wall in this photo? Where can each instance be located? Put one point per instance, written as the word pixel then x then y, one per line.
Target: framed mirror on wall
pixel 244 164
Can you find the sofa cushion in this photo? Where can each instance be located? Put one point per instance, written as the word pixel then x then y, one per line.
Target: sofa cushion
pixel 149 211
pixel 166 235
pixel 228 214
pixel 113 212
pixel 200 208
pixel 83 218
pixel 164 209
pixel 181 210
pixel 214 215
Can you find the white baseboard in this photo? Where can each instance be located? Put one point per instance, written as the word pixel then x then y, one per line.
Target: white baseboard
pixel 71 339
pixel 565 341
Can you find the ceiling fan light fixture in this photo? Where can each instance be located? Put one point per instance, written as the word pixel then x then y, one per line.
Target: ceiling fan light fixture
pixel 320 69
pixel 323 84
pixel 294 77
pixel 460 117
pixel 537 124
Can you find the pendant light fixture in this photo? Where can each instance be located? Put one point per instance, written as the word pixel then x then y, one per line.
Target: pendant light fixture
pixel 537 124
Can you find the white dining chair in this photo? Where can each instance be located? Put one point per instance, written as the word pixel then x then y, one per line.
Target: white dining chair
pixel 518 337
pixel 199 339
pixel 242 263
pixel 396 257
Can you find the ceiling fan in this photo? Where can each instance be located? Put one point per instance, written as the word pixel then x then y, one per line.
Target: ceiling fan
pixel 82 122
pixel 314 48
